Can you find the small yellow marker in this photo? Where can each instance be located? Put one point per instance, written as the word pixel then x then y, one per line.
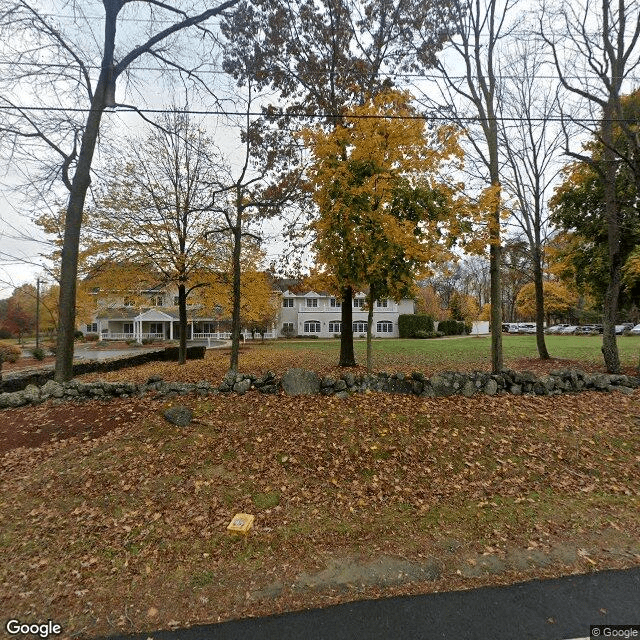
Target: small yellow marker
pixel 241 523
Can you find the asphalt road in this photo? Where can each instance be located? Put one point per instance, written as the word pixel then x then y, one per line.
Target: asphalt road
pixel 539 610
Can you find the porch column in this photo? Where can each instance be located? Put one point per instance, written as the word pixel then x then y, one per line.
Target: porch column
pixel 171 330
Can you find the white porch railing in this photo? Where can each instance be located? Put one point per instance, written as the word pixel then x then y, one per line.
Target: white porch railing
pixel 217 335
pixel 226 335
pixel 220 335
pixel 132 336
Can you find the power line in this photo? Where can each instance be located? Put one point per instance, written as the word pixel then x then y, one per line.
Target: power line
pixel 303 116
pixel 217 71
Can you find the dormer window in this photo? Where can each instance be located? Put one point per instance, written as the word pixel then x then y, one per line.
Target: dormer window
pixel 335 303
pixel 157 301
pixel 358 303
pixel 312 302
pixel 287 302
pixel 129 302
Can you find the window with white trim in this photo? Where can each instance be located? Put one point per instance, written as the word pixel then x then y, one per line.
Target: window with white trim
pixel 335 303
pixel 381 304
pixel 335 327
pixel 359 327
pixel 156 327
pixel 287 302
pixel 312 326
pixel 129 302
pixel 176 301
pixel 312 302
pixel 157 301
pixel 127 327
pixel 358 303
pixel 287 327
pixel 92 327
pixel 384 327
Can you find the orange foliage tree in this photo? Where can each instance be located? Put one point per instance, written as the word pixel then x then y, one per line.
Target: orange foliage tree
pixel 385 212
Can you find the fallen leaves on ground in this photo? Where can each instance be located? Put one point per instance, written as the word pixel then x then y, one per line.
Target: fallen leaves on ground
pixel 125 527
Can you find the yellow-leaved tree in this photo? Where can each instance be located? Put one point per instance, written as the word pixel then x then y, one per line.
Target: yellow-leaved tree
pixel 156 209
pixel 558 299
pixel 385 209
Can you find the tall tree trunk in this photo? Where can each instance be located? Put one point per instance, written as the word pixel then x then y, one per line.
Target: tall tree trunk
pixel 235 315
pixel 610 307
pixel 73 219
pixel 370 299
pixel 495 242
pixel 539 290
pixel 347 356
pixel 71 243
pixel 182 322
pixel 495 260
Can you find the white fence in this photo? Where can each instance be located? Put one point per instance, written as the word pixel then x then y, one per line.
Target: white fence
pixel 132 336
pixel 220 335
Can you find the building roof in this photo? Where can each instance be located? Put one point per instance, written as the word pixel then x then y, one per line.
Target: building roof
pixel 152 314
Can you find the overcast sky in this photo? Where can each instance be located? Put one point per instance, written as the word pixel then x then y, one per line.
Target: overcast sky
pixel 20 241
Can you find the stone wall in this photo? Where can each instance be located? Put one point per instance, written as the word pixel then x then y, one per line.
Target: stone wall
pixel 38 378
pixel 301 382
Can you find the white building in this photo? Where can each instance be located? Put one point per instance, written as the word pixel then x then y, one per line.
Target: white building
pixel 319 314
pixel 153 314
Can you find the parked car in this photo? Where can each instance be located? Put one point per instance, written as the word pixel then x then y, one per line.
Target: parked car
pixel 568 329
pixel 556 328
pixel 527 327
pixel 510 327
pixel 586 329
pixel 635 331
pixel 625 326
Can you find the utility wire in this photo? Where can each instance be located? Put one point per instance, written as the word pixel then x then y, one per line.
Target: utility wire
pixel 217 71
pixel 303 116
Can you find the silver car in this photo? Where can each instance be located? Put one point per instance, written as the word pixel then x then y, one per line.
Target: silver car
pixel 569 329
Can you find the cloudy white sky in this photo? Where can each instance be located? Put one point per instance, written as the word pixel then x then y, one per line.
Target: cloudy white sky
pixel 20 241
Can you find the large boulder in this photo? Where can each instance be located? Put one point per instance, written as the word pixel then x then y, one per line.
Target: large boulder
pixel 300 382
pixel 32 394
pixel 16 399
pixel 179 415
pixel 52 388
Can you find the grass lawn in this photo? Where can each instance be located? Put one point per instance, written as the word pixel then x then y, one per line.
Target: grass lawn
pixel 125 530
pixel 427 356
pixel 469 351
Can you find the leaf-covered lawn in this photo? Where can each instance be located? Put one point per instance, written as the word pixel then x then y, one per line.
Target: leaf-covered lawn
pixel 427 356
pixel 125 530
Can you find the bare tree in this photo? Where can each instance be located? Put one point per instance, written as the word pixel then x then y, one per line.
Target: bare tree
pixel 595 50
pixel 480 26
pixel 261 188
pixel 531 143
pixel 47 54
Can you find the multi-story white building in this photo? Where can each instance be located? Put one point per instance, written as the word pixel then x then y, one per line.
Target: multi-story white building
pixel 319 314
pixel 153 314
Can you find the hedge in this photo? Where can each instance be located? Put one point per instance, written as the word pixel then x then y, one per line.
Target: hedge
pixel 452 327
pixel 410 324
